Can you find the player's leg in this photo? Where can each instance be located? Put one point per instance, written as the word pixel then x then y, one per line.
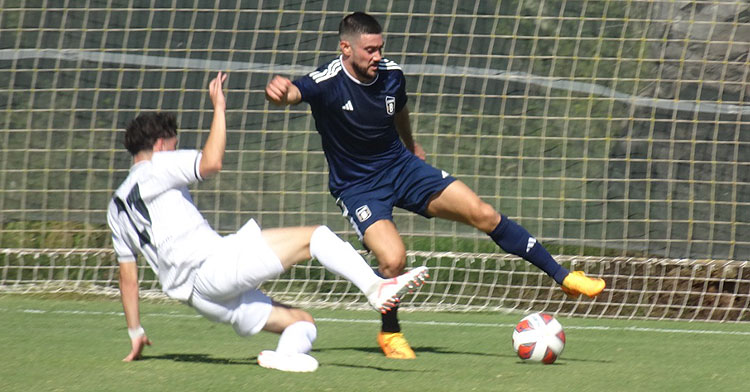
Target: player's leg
pixel 244 260
pixel 253 311
pixel 383 239
pixel 224 291
pixel 298 332
pixel 459 203
pixel 369 210
pixel 296 244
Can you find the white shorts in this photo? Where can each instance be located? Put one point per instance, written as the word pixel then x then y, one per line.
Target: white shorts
pixel 226 284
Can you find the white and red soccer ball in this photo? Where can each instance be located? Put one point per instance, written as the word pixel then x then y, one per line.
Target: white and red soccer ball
pixel 539 337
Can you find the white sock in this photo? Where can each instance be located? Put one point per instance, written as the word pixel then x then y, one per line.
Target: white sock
pixel 297 338
pixel 341 258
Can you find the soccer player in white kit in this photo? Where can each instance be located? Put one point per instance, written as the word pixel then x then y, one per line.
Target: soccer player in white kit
pixel 152 214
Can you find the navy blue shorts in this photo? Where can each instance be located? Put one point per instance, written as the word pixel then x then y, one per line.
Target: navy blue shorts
pixel 407 184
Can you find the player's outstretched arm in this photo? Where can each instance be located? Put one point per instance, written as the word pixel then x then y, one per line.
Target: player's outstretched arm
pixel 129 297
pixel 213 150
pixel 281 91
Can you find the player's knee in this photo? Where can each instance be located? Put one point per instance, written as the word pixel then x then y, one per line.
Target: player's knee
pixel 392 265
pixel 282 317
pixel 295 315
pixel 302 315
pixel 484 217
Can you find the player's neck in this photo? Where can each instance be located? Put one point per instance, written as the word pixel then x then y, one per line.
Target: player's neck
pixel 160 145
pixel 142 156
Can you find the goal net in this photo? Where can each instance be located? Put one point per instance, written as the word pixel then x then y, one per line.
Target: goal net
pixel 615 131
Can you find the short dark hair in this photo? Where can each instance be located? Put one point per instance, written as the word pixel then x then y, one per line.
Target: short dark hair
pixel 143 131
pixel 358 23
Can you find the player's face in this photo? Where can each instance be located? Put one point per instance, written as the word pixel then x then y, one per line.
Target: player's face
pixel 366 52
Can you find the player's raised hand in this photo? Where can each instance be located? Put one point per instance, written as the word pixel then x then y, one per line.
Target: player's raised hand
pixel 215 90
pixel 137 345
pixel 281 91
pixel 213 149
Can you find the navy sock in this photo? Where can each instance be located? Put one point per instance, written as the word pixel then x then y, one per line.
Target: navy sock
pixel 514 239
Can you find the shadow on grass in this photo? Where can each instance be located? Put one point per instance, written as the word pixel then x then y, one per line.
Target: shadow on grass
pixel 373 367
pixel 396 363
pixel 442 350
pixel 417 350
pixel 201 358
pixel 205 358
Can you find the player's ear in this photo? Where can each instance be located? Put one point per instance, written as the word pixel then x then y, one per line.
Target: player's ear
pixel 346 48
pixel 161 144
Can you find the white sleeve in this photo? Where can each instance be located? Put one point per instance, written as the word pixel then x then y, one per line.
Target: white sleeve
pixel 124 252
pixel 172 169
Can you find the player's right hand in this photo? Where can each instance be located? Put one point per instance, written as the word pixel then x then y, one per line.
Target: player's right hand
pixel 278 89
pixel 419 151
pixel 137 345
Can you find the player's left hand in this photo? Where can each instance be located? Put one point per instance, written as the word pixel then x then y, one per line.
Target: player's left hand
pixel 419 152
pixel 137 345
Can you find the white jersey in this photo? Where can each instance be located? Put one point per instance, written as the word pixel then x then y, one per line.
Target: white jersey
pixel 153 214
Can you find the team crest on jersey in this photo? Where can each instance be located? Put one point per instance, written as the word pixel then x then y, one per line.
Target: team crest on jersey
pixel 390 105
pixel 363 213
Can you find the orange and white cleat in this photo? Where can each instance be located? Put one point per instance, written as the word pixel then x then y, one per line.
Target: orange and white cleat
pixel 577 283
pixel 395 346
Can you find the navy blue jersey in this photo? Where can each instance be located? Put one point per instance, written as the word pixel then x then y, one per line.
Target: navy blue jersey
pixel 355 120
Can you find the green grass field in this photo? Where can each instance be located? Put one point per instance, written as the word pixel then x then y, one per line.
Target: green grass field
pixel 75 344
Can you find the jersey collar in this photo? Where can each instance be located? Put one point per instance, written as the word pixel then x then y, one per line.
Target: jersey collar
pixel 355 80
pixel 138 165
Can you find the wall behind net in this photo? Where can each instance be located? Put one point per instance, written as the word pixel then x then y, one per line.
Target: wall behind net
pixel 607 128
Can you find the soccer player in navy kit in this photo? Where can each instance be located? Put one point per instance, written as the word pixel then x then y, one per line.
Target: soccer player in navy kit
pixel 358 101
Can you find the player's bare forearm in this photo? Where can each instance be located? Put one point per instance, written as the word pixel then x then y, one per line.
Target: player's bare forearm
pixel 213 150
pixel 403 127
pixel 129 293
pixel 281 91
pixel 130 306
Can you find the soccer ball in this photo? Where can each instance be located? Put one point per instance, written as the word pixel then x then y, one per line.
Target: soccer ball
pixel 538 337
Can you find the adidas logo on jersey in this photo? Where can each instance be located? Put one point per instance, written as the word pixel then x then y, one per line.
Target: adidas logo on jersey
pixel 348 106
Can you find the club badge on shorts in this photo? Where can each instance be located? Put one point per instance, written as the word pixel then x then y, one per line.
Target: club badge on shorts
pixel 363 213
pixel 390 105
